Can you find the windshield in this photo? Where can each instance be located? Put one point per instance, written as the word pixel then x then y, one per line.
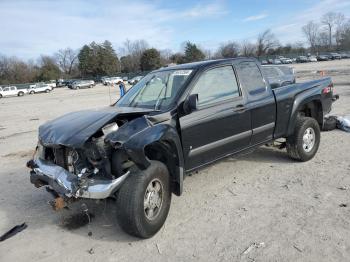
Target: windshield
pixel 156 90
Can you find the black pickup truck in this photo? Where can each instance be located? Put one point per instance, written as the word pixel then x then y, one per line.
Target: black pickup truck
pixel 172 122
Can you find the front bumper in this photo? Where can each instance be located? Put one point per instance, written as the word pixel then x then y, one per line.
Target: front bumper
pixel 70 185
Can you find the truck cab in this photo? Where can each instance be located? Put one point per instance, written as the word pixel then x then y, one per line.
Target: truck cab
pixel 11 91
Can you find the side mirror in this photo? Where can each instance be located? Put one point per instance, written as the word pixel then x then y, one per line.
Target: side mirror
pixel 190 103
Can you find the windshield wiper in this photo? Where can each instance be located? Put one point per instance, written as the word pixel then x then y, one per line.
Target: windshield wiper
pixel 160 93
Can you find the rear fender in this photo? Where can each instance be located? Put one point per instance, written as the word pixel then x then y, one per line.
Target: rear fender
pixel 302 99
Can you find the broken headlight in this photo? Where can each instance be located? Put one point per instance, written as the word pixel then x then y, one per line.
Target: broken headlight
pixel 40 151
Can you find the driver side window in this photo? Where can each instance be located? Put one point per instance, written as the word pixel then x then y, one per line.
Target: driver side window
pixel 216 85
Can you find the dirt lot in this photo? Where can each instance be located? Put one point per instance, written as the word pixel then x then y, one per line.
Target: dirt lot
pixel 258 207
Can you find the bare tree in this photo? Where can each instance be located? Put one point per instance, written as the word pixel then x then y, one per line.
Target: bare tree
pixel 323 39
pixel 133 50
pixel 340 28
pixel 227 50
pixel 329 20
pixel 266 40
pixel 247 48
pixel 311 31
pixel 66 59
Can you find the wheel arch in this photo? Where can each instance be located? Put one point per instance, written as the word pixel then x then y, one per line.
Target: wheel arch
pixel 152 142
pixel 309 107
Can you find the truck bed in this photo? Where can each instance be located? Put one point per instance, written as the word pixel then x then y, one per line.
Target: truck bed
pixel 289 96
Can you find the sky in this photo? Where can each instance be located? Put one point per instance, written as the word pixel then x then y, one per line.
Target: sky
pixel 34 27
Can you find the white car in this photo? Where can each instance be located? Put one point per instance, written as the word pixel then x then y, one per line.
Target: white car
pixel 112 80
pixel 312 58
pixel 39 88
pixel 12 91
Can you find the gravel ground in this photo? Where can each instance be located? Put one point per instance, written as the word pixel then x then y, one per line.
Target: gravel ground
pixel 257 207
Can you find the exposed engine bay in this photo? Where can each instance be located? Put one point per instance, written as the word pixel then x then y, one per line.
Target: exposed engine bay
pixel 93 169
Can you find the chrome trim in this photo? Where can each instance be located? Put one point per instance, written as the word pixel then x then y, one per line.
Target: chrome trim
pixel 68 184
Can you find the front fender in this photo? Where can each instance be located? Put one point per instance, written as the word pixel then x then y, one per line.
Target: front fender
pixel 135 135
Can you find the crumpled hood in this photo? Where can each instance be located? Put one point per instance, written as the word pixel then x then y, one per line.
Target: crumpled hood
pixel 74 129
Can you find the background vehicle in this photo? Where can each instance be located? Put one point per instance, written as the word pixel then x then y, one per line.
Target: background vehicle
pixel 322 58
pixel 134 80
pixel 278 75
pixel 39 88
pixel 334 56
pixel 112 80
pixel 286 60
pixel 12 91
pixel 51 83
pixel 69 82
pixel 173 122
pixel 277 62
pixel 312 59
pixel 344 55
pixel 302 59
pixel 60 83
pixel 82 84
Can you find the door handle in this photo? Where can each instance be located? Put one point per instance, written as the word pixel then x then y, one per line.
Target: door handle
pixel 239 108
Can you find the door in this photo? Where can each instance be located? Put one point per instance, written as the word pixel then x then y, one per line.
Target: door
pixel 13 91
pixel 262 105
pixel 6 91
pixel 220 125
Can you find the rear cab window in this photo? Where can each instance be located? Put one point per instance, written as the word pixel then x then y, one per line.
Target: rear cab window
pixel 251 78
pixel 216 85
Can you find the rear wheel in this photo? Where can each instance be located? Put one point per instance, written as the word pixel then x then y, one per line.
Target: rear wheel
pixel 20 93
pixel 303 144
pixel 143 202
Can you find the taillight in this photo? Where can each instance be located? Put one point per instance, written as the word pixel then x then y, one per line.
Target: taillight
pixel 328 89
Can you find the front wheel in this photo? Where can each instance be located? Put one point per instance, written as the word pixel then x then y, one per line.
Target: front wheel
pixel 143 202
pixel 303 144
pixel 47 90
pixel 20 94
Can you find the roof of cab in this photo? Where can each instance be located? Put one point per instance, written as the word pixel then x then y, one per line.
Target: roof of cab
pixel 201 64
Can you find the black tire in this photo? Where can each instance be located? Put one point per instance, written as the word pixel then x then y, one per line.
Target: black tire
pixel 31 92
pixel 330 123
pixel 91 86
pixel 20 93
pixel 47 90
pixel 0 95
pixel 295 142
pixel 131 212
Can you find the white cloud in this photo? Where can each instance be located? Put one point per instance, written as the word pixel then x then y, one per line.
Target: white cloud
pixel 31 28
pixel 210 10
pixel 255 17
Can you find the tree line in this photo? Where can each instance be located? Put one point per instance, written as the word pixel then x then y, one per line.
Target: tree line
pixel 331 33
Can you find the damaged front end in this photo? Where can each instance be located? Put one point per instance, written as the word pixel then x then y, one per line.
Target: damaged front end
pixel 92 168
